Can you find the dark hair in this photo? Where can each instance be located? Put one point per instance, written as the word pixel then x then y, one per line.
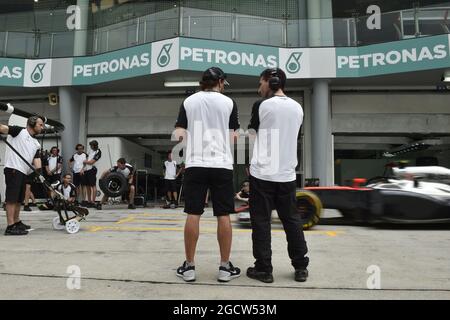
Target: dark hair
pixel 211 78
pixel 94 144
pixel 67 174
pixel 78 145
pixel 278 76
pixel 31 122
pixel 122 161
pixel 54 148
pixel 243 182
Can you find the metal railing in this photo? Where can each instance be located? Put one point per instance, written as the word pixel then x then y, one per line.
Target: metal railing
pixel 198 23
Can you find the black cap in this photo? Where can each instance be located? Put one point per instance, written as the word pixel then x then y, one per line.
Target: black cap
pixel 93 143
pixel 214 74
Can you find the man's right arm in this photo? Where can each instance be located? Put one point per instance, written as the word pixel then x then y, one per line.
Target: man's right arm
pixel 181 124
pixel 4 129
pixel 254 120
pixel 11 130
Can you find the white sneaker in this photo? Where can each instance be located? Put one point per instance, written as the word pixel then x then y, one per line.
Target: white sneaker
pixel 227 274
pixel 186 272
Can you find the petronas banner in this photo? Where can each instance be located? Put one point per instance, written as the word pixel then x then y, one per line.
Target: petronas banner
pixel 234 58
pixel 394 57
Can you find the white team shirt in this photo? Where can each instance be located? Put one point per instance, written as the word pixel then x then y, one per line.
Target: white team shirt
pixel 68 192
pixel 171 170
pixel 53 163
pixel 126 172
pixel 93 155
pixel 208 117
pixel 27 146
pixel 277 121
pixel 78 164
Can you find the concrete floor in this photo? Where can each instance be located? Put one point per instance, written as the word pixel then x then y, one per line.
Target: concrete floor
pixel 133 254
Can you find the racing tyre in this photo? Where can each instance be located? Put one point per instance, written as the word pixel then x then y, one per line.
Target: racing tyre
pixel 114 185
pixel 309 207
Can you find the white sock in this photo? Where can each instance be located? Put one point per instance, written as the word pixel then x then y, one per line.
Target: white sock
pixel 225 264
pixel 190 264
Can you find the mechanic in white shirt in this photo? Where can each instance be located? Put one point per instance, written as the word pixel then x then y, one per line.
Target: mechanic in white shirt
pixel 16 170
pixel 170 177
pixel 76 163
pixel 91 172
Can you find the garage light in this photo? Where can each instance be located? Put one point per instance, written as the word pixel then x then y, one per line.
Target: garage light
pixel 171 84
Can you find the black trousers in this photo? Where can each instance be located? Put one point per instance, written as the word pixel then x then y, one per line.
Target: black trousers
pixel 265 196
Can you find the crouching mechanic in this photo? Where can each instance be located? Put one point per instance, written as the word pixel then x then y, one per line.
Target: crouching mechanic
pixel 128 172
pixel 67 188
pixel 16 170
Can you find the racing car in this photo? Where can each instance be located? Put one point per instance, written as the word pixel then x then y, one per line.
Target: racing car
pixel 412 195
pixel 417 195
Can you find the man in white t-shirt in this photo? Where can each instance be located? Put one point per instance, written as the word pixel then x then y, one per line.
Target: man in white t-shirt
pixel 208 120
pixel 276 121
pixel 127 170
pixel 90 172
pixel 76 163
pixel 53 166
pixel 16 170
pixel 170 177
pixel 67 188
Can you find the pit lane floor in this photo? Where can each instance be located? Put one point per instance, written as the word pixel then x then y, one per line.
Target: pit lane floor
pixel 133 254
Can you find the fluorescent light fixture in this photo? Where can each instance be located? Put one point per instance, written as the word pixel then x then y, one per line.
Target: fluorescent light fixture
pixel 172 84
pixel 446 76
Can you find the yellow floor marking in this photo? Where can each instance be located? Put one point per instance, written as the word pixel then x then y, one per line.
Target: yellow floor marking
pixel 202 230
pixel 170 220
pixel 160 214
pixel 129 219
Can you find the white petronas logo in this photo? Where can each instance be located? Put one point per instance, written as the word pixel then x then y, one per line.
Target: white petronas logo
pixel 164 56
pixel 37 75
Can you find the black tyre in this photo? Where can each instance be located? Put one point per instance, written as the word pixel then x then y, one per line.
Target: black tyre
pixel 309 207
pixel 114 185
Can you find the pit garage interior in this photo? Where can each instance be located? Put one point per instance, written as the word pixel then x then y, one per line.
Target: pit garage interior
pixel 374 121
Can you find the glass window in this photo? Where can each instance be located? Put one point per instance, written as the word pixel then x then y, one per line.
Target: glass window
pixel 260 30
pixel 297 33
pixel 161 25
pixel 207 24
pixel 63 44
pixel 121 36
pixel 20 44
pixel 45 43
pixel 2 43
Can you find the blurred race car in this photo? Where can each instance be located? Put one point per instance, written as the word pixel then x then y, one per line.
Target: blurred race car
pixel 411 195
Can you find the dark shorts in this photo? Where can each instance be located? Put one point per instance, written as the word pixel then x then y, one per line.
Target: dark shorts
pixel 170 185
pixel 28 179
pixel 78 180
pixel 15 185
pixel 197 181
pixel 90 177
